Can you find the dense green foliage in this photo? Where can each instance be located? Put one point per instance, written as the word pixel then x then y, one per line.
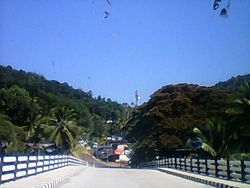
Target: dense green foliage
pixel 166 121
pixel 40 108
pixel 233 84
pixel 35 110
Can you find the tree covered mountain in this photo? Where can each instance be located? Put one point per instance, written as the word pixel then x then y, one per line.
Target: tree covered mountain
pixel 234 83
pixel 53 93
pixel 28 100
pixel 36 110
pixel 176 113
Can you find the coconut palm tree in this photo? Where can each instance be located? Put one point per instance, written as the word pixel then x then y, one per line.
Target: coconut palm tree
pixel 35 131
pixel 32 130
pixel 239 114
pixel 9 133
pixel 214 137
pixel 241 106
pixel 223 138
pixel 63 128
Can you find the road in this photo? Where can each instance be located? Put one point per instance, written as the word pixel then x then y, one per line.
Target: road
pixel 128 178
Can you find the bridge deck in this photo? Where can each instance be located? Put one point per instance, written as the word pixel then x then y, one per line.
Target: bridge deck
pixel 88 177
pixel 128 178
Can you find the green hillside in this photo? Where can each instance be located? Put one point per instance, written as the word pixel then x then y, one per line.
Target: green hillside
pixel 34 110
pixel 28 100
pixel 234 83
pixel 219 116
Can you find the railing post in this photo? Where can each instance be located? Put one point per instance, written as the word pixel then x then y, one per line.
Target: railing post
pixel 206 167
pixel 243 173
pixel 191 164
pixel 1 168
pixel 172 161
pixel 36 164
pixel 185 164
pixel 180 161
pixel 27 167
pixel 43 162
pixel 182 165
pixel 198 165
pixel 15 171
pixel 175 162
pixel 228 169
pixel 48 163
pixel 216 167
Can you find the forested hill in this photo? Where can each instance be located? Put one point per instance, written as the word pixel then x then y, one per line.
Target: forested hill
pixel 53 93
pixel 234 83
pixel 167 120
pixel 36 110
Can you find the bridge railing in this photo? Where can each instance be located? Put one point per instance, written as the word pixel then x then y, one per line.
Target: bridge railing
pixel 20 166
pixel 236 170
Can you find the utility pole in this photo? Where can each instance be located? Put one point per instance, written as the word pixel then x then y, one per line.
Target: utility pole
pixel 137 98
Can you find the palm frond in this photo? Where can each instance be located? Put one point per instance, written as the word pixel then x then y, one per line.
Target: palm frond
pixel 70 138
pixel 58 139
pixel 208 149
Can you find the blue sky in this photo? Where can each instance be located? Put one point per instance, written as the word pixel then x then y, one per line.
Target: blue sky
pixel 143 44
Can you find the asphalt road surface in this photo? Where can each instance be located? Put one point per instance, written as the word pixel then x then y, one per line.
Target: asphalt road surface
pixel 128 178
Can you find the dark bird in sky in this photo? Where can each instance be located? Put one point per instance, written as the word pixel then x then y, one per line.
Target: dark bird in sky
pixel 223 12
pixel 216 4
pixel 108 2
pixel 106 14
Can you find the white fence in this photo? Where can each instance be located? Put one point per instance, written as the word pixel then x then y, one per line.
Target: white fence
pixel 15 167
pixel 225 169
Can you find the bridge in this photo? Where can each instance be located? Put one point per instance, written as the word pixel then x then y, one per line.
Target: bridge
pixel 67 171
